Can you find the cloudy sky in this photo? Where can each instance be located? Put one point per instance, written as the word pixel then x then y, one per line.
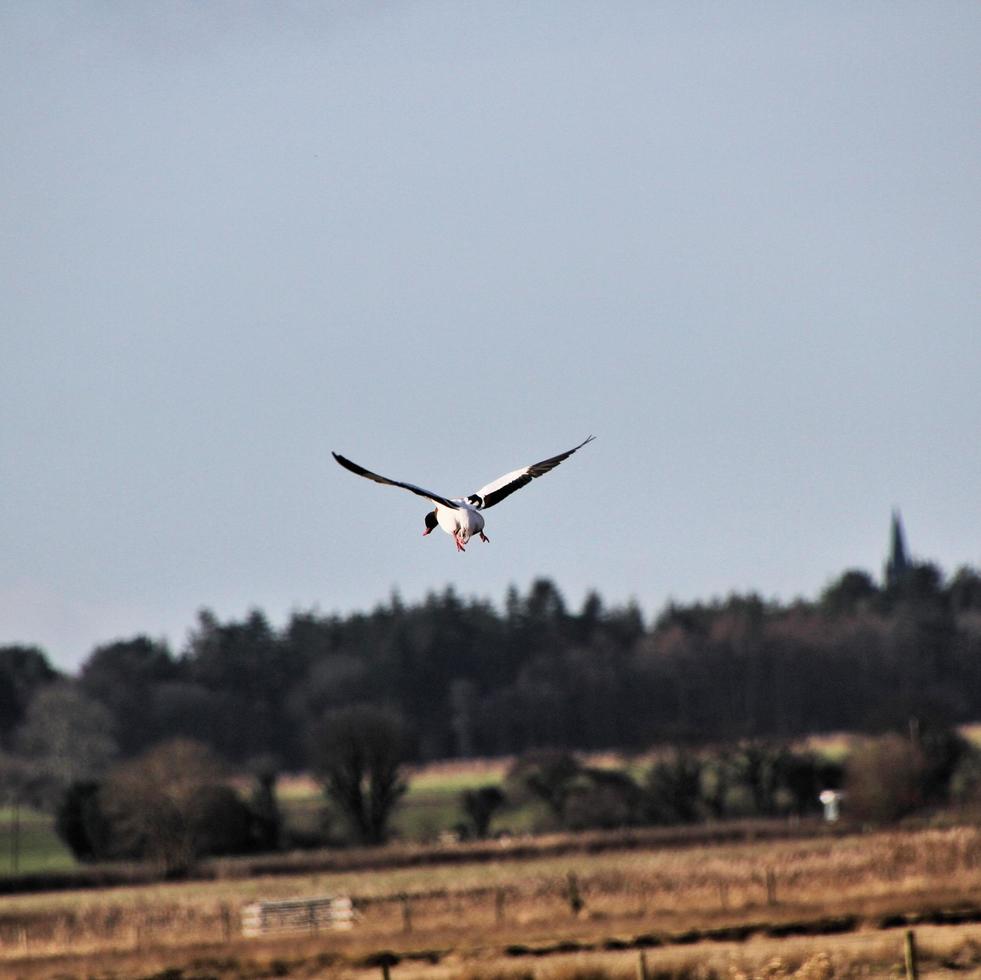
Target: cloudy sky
pixel 740 243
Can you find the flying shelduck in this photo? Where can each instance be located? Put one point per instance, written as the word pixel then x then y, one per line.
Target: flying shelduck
pixel 462 517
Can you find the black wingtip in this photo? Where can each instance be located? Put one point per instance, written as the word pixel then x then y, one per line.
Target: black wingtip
pixel 348 465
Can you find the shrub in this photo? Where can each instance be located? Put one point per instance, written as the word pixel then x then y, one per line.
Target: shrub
pixel 81 823
pixel 884 779
pixel 673 789
pixel 602 798
pixel 480 805
pixel 169 805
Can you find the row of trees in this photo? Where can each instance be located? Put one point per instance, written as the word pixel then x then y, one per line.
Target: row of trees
pixel 469 680
pixel 882 778
pixel 173 805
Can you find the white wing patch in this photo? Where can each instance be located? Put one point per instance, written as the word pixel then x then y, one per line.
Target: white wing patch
pixel 505 485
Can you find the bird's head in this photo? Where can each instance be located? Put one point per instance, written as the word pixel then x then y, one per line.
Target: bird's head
pixel 430 523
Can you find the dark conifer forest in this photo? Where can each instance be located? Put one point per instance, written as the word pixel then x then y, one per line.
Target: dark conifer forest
pixel 470 678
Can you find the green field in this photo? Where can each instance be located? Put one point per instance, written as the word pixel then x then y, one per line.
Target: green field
pixel 28 843
pixel 430 806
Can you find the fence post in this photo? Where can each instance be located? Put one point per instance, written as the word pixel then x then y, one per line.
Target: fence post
pixel 771 887
pixel 406 913
pixel 909 948
pixel 642 967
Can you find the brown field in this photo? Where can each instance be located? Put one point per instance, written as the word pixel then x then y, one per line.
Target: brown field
pixel 817 907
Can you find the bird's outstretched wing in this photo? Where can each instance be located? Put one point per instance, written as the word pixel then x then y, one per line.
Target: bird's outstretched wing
pixel 505 485
pixel 367 474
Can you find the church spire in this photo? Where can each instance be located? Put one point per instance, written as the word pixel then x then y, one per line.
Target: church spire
pixel 898 563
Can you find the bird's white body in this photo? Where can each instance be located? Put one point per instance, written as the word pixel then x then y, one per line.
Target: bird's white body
pixel 461 517
pixel 463 523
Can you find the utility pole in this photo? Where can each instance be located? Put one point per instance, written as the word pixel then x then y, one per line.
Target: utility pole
pixel 15 839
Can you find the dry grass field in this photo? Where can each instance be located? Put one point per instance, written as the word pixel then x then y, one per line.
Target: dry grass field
pixel 818 907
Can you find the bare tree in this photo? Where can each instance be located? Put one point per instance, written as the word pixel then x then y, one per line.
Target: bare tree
pixel 358 755
pixel 163 804
pixel 67 737
pixel 480 805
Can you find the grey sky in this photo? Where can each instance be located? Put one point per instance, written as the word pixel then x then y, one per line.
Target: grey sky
pixel 738 242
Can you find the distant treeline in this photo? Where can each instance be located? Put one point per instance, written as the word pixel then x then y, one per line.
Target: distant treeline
pixel 469 679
